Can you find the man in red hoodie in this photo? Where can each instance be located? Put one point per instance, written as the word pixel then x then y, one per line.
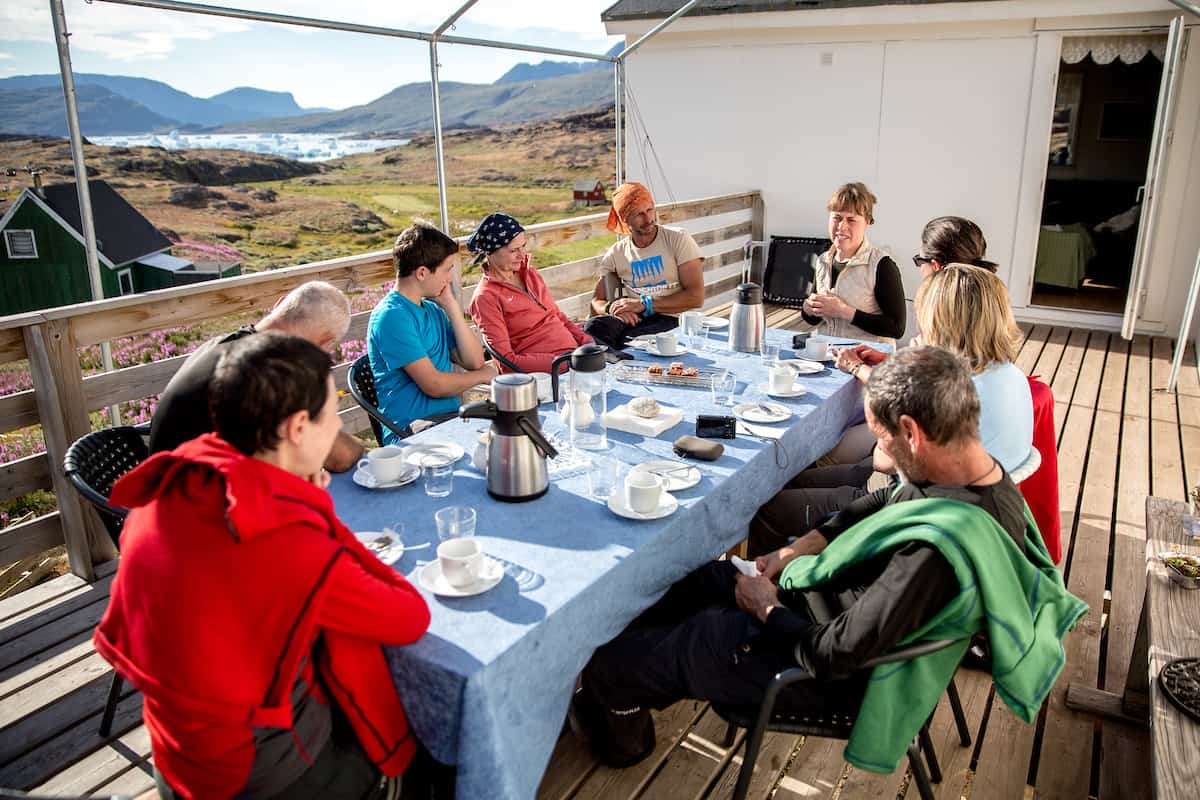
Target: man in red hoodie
pixel 243 605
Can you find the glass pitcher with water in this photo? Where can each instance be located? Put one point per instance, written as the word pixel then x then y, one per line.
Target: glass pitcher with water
pixel 584 401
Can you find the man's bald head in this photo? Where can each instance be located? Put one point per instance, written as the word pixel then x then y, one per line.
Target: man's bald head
pixel 316 311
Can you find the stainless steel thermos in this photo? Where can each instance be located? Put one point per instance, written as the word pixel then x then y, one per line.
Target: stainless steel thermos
pixel 746 320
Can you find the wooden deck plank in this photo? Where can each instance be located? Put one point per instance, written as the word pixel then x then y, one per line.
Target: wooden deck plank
pixel 973 690
pixel 48 637
pixel 694 764
pixel 1069 367
pixel 42 594
pixel 671 726
pixel 1006 748
pixel 1031 351
pixel 1068 735
pixel 1166 458
pixel 38 696
pixel 45 663
pixel 132 782
pixel 1188 382
pixel 44 617
pixel 816 771
pixel 773 758
pixel 44 758
pixel 102 766
pixel 1052 353
pixel 1124 752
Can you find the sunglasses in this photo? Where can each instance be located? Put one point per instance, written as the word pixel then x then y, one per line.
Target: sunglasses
pixel 919 259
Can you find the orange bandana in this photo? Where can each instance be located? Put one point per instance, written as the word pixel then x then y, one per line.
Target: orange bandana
pixel 628 199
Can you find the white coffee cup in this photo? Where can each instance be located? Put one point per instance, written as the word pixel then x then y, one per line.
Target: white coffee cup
pixel 667 343
pixel 461 561
pixel 642 491
pixel 386 464
pixel 543 386
pixel 783 377
pixel 816 348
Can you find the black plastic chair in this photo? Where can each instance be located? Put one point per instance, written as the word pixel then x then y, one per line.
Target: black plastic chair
pixel 361 383
pixel 836 726
pixel 491 351
pixel 93 464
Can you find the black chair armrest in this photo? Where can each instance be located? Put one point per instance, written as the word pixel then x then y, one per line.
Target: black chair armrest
pixel 903 654
pixel 491 351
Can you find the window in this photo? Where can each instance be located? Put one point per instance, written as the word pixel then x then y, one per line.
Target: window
pixel 20 244
pixel 125 281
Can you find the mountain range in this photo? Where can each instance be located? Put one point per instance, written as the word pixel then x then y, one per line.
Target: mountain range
pixel 118 104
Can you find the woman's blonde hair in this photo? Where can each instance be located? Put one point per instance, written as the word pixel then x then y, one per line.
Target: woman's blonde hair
pixel 856 198
pixel 966 310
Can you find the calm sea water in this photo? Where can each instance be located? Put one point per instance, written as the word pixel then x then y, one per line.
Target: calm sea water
pixel 299 146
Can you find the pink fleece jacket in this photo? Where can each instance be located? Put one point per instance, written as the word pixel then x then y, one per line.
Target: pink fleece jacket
pixel 524 326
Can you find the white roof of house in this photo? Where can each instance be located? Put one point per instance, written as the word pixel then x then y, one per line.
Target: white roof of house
pixel 586 186
pixel 167 262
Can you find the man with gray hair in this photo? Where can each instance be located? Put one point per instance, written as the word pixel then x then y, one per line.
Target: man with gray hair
pixel 316 311
pixel 722 633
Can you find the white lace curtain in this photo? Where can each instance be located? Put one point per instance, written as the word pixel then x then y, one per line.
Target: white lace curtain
pixel 1105 49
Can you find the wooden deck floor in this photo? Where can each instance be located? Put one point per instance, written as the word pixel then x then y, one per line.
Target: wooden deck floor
pixel 1119 440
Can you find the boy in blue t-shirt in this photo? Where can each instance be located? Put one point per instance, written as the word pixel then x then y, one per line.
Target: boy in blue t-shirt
pixel 417 329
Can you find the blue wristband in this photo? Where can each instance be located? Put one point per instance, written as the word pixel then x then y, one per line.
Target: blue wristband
pixel 648 302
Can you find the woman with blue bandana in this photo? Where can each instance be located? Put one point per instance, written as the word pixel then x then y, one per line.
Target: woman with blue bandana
pixel 512 306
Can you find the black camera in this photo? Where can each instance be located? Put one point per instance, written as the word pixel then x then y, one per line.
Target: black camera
pixel 713 426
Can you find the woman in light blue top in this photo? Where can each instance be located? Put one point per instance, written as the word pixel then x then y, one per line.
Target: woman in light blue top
pixel 966 310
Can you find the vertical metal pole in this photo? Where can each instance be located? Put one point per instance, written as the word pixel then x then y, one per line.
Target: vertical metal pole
pixel 618 97
pixel 1185 327
pixel 59 18
pixel 437 137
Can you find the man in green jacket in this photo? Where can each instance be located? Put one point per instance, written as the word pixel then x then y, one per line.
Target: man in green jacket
pixel 949 552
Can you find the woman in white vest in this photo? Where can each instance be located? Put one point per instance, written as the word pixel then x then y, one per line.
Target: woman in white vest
pixel 859 293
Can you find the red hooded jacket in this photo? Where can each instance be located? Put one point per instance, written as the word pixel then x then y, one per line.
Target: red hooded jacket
pixel 230 570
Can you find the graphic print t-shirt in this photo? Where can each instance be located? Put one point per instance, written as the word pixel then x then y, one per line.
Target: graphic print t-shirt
pixel 652 270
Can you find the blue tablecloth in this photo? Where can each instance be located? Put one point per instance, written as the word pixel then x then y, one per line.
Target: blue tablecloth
pixel 487 687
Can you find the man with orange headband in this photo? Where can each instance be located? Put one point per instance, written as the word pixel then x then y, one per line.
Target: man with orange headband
pixel 659 272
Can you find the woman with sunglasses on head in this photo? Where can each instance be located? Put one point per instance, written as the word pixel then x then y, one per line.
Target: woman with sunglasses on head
pixel 945 240
pixel 859 293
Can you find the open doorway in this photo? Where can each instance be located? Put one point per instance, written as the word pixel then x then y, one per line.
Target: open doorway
pixel 1099 150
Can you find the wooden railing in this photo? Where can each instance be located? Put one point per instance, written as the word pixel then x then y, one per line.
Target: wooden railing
pixel 62 396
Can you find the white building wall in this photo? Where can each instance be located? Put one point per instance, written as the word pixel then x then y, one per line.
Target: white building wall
pixel 936 119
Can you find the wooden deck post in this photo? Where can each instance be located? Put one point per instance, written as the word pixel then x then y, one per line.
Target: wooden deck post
pixel 58 391
pixel 758 218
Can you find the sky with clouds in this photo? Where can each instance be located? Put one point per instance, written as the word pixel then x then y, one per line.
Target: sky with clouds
pixel 205 55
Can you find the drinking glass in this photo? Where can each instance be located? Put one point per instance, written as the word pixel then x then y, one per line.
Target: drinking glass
pixel 438 472
pixel 691 323
pixel 723 385
pixel 603 477
pixel 706 329
pixel 454 522
pixel 769 353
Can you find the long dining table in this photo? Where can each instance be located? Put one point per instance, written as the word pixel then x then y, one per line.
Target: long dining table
pixel 487 688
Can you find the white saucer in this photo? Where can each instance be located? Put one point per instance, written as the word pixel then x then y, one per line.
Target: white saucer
pixel 804 366
pixel 678 476
pixel 652 349
pixel 384 544
pixel 666 507
pixel 716 323
pixel 430 576
pixel 828 359
pixel 796 391
pixel 413 453
pixel 754 412
pixel 365 479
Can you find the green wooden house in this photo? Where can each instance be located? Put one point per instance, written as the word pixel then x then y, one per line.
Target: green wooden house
pixel 43 259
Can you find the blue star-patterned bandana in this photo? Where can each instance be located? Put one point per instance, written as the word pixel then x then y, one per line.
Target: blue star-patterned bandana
pixel 494 232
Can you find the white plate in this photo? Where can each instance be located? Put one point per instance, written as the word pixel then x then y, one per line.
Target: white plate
pixel 678 476
pixel 652 349
pixel 384 544
pixel 716 323
pixel 430 576
pixel 365 479
pixel 796 391
pixel 413 453
pixel 666 507
pixel 803 366
pixel 762 412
